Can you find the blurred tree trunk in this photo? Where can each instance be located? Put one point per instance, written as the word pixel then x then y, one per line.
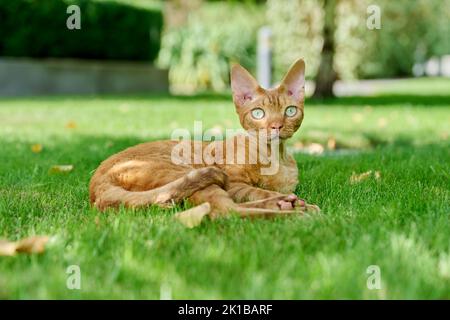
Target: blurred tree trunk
pixel 326 76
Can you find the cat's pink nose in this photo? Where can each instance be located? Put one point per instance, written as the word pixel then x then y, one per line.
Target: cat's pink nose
pixel 276 126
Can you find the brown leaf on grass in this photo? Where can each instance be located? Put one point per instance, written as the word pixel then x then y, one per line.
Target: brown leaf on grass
pixel 35 244
pixel 331 143
pixel 377 175
pixel 61 168
pixel 314 148
pixel 71 125
pixel 36 148
pixel 7 248
pixel 298 146
pixel 194 216
pixel 311 148
pixel 355 178
pixel 358 177
pixel 30 245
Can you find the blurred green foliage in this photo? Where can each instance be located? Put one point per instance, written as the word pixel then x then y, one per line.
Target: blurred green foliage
pixel 148 4
pixel 109 30
pixel 296 27
pixel 411 31
pixel 219 32
pixel 198 53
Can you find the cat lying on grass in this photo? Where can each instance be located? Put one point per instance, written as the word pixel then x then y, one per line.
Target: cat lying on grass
pixel 152 173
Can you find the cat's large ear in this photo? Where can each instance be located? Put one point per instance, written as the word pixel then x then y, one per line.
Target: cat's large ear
pixel 243 85
pixel 293 83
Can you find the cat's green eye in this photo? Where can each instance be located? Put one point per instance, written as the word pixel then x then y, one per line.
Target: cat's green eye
pixel 290 111
pixel 258 113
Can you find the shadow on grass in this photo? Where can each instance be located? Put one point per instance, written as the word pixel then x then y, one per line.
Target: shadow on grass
pixel 383 100
pixel 86 152
pixel 213 97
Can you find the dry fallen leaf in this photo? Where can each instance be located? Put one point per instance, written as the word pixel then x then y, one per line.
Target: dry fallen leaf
pixel 356 178
pixel 377 175
pixel 36 148
pixel 61 168
pixel 7 248
pixel 194 216
pixel 34 244
pixel 314 148
pixel 331 143
pixel 71 125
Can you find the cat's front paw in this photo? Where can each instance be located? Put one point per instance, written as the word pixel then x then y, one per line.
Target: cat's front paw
pixel 291 202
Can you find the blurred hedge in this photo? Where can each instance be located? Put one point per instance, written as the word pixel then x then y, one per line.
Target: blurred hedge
pixel 109 30
pixel 411 31
pixel 198 53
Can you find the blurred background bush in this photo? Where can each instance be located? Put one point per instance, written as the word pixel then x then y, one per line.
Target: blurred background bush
pixel 198 52
pixel 201 38
pixel 412 31
pixel 110 30
pixel 215 33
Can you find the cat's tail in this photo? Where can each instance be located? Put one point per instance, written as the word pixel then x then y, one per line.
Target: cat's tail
pixel 105 194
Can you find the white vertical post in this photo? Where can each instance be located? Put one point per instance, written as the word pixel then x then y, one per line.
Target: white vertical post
pixel 264 63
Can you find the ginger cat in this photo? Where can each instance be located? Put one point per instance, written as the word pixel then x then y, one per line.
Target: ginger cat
pixel 147 174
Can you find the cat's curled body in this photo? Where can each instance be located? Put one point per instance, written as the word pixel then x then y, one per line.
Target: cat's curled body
pixel 146 174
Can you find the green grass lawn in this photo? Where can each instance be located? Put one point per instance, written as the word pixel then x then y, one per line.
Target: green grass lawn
pixel 399 222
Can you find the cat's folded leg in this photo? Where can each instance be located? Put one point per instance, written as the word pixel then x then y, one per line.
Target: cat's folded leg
pixel 242 192
pixel 250 196
pixel 194 216
pixel 165 195
pixel 221 204
pixel 219 200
